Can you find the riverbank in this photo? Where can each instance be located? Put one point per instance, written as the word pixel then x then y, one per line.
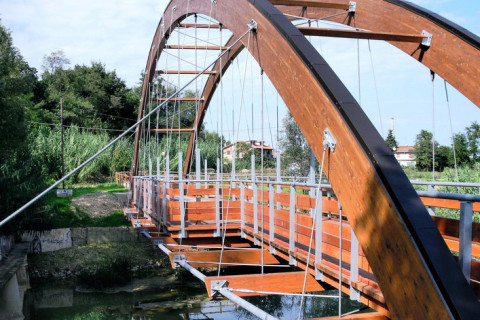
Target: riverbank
pixel 69 263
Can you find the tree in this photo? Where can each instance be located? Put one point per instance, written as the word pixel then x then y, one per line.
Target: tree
pixel 93 97
pixel 296 151
pixel 461 149
pixel 443 158
pixel 391 141
pixel 18 180
pixel 423 150
pixel 55 61
pixel 424 156
pixel 473 141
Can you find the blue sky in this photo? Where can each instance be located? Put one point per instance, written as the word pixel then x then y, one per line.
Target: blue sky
pixel 119 33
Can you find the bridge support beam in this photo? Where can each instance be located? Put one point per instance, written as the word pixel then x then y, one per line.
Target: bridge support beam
pixel 223 291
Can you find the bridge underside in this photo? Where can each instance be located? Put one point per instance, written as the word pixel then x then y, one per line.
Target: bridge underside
pixel 219 224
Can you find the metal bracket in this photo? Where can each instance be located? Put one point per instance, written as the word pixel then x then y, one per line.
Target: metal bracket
pixel 273 250
pixel 353 6
pixel 177 259
pixel 216 285
pixel 182 234
pixel 329 140
pixel 427 41
pixel 292 261
pixel 156 242
pixel 319 275
pixel 253 25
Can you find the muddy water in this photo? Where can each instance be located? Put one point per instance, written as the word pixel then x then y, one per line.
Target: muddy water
pixel 160 298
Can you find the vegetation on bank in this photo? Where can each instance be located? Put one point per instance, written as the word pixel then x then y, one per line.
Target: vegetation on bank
pixel 60 213
pixel 100 265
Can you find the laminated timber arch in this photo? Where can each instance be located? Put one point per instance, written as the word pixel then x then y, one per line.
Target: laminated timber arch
pixel 416 272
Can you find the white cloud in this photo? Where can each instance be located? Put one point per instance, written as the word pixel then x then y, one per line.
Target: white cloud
pixel 117 33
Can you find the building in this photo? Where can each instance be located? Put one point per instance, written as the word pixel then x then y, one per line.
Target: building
pixel 405 156
pixel 242 147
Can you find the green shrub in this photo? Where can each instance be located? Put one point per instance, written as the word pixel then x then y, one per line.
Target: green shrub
pixel 45 145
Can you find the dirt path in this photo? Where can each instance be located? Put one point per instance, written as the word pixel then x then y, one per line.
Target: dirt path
pixel 99 204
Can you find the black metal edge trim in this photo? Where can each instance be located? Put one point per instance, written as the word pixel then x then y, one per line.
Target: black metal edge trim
pixel 446 24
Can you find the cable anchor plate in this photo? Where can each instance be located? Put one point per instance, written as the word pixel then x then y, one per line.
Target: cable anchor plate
pixel 253 25
pixel 177 259
pixel 328 140
pixel 353 6
pixel 216 285
pixel 427 41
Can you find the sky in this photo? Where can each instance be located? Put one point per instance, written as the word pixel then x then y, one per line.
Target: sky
pixel 118 33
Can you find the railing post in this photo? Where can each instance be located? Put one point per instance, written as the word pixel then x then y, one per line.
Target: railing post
pixel 318 235
pixel 206 174
pixel 431 210
pixel 340 249
pixel 164 203
pixel 254 200
pixel 135 191
pixel 182 233
pixel 354 293
pixel 233 162
pixel 197 168
pixel 279 179
pixel 271 218
pixel 145 195
pixel 158 198
pixel 291 245
pixel 167 169
pixel 242 209
pixel 465 251
pixel 311 178
pixel 150 187
pixel 217 202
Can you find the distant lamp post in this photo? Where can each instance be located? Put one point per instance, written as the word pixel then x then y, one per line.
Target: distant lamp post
pixel 63 193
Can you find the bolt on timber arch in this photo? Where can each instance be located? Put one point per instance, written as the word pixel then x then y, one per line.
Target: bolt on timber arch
pixel 412 263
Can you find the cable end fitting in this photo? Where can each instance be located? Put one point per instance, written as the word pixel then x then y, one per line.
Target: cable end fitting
pixel 329 140
pixel 253 25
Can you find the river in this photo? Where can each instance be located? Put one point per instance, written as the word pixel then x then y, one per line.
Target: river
pixel 162 298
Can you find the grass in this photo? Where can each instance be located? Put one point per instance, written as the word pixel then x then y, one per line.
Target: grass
pixel 60 213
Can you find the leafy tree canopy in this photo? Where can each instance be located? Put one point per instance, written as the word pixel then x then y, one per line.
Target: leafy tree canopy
pixel 92 96
pixel 296 151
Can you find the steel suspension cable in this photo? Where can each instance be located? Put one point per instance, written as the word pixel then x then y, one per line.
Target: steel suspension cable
pixel 376 90
pixel 358 73
pixel 317 199
pixel 451 133
pixel 224 226
pixel 433 124
pixel 261 164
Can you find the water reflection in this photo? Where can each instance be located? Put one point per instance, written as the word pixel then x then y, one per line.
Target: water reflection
pixel 167 302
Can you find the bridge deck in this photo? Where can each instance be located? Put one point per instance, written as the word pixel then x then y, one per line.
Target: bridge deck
pixel 197 217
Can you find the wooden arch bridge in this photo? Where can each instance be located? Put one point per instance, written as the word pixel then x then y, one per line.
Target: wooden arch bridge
pixel 364 230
